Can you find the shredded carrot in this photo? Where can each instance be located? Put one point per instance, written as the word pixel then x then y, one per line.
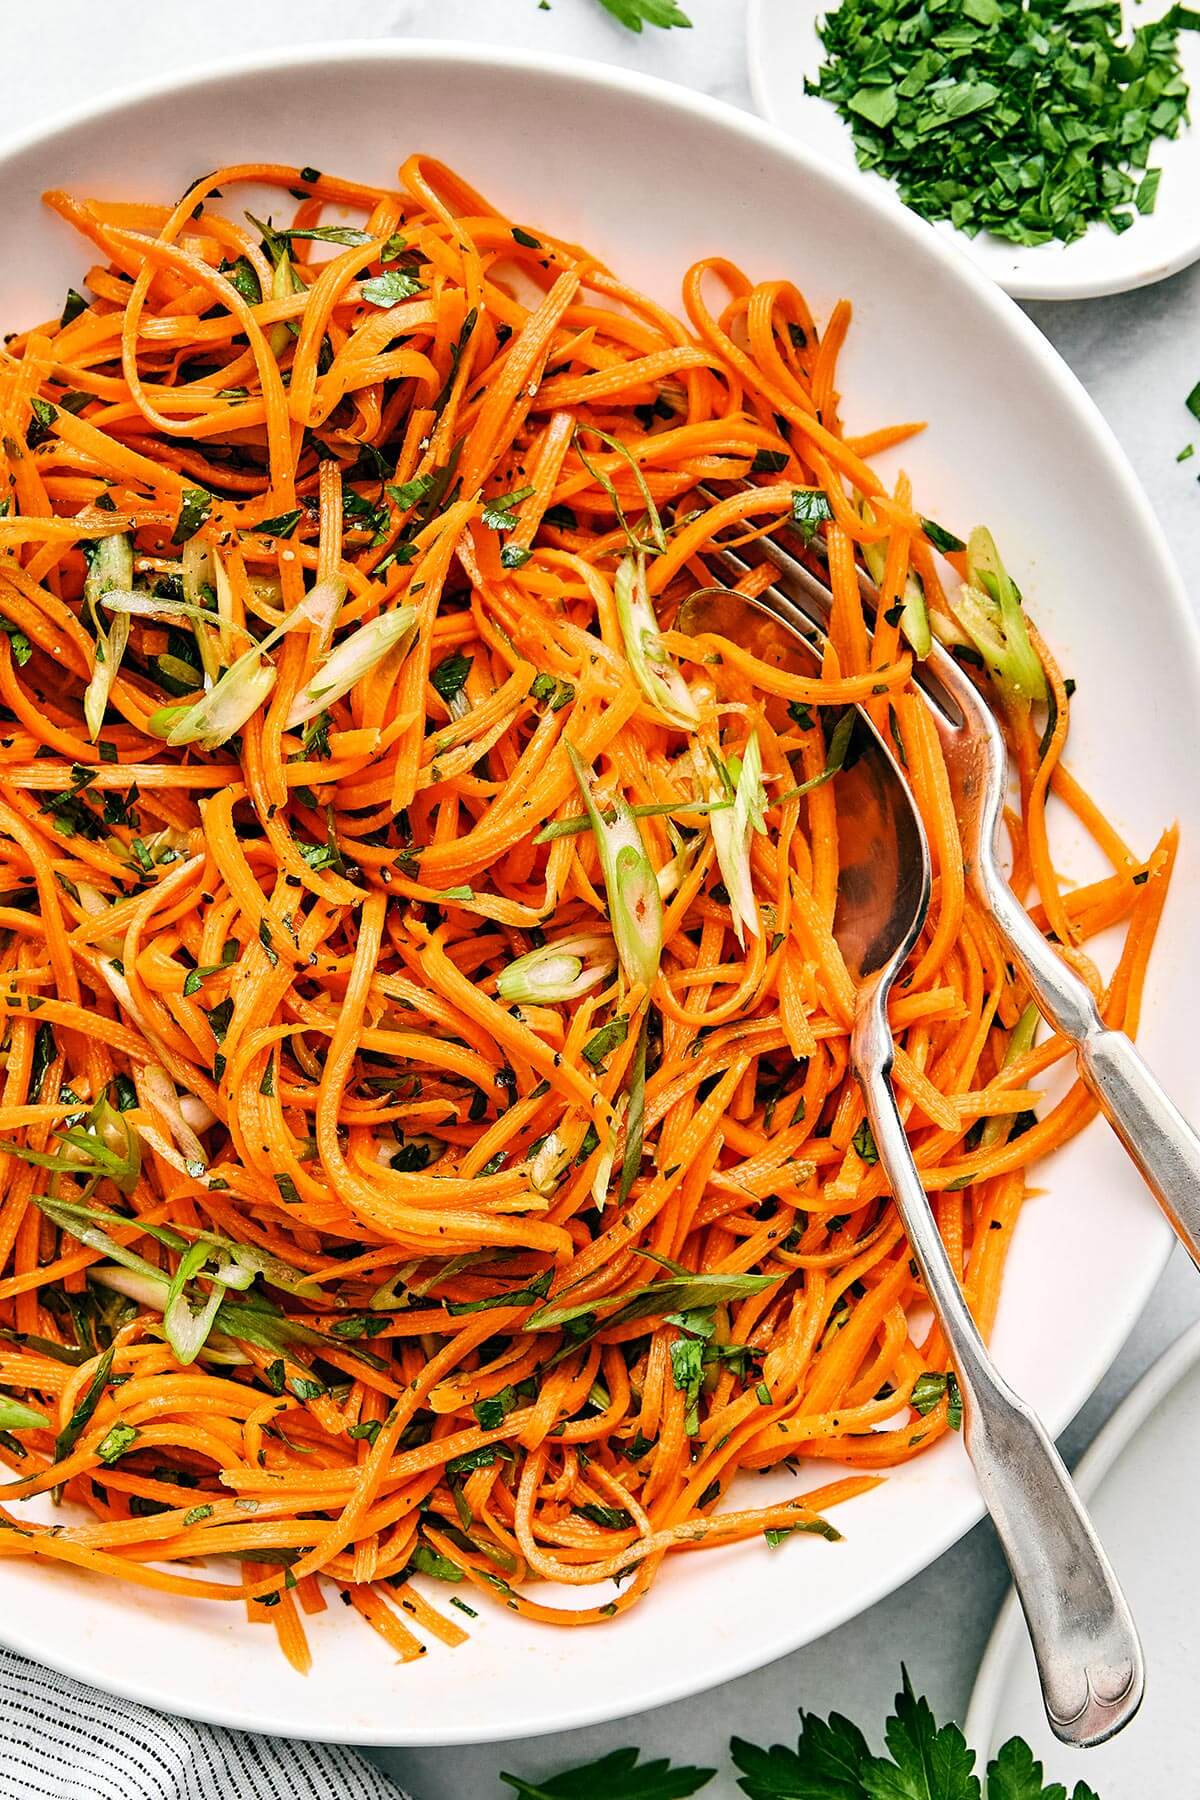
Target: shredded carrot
pixel 518 1264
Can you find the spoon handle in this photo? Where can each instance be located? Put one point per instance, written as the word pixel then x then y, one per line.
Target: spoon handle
pixel 1151 1127
pixel 1084 1640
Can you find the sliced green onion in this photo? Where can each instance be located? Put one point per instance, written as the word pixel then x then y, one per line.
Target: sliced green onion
pixel 385 1298
pixel 142 605
pixel 562 970
pixel 200 580
pixel 148 1286
pixel 284 283
pixel 353 658
pixel 659 679
pixel 223 711
pixel 996 1130
pixel 548 1163
pixel 634 906
pixel 602 1173
pixel 73 1219
pixel 240 1320
pixel 988 607
pixel 732 832
pixel 111 567
pixel 106 1139
pixel 658 537
pixel 242 1261
pixel 247 683
pixel 186 1327
pixel 16 1416
pixel 101 1147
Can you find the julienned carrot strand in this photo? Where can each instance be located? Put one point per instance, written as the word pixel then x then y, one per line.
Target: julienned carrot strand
pixel 313 971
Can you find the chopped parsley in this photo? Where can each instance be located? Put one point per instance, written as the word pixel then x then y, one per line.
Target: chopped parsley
pixel 18 643
pixel 390 288
pixel 73 306
pixel 810 508
pixel 607 1039
pixel 449 676
pixel 1028 120
pixel 194 508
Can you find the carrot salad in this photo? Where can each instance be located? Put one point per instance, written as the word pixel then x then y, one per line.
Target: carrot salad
pixel 428 1146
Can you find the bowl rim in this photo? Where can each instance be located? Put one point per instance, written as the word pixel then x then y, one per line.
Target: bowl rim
pixel 956 266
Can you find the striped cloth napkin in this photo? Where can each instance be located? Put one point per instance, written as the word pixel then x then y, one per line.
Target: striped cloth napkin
pixel 60 1740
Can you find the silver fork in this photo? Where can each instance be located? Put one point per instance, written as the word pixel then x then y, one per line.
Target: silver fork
pixel 1084 1639
pixel 1159 1139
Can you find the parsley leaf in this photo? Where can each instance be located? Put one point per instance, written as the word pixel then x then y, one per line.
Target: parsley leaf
pixel 389 288
pixel 449 676
pixel 72 307
pixel 832 1760
pixel 621 1775
pixel 609 1038
pixel 864 1144
pixel 1015 1774
pixel 115 1443
pixel 492 1412
pixel 928 1763
pixel 687 1372
pixel 826 1764
pixel 500 514
pixel 408 493
pixel 21 647
pixel 810 508
pixel 282 526
pixel 427 1561
pixel 194 507
pixel 537 1289
pixel 349 235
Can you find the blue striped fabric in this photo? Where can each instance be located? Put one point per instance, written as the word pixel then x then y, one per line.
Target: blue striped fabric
pixel 60 1740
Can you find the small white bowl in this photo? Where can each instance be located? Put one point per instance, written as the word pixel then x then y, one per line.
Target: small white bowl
pixel 1139 1481
pixel 784 49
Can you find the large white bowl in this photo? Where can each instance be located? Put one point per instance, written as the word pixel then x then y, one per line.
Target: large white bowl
pixel 653 177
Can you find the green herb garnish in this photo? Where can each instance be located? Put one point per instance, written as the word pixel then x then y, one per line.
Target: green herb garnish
pixel 637 13
pixel 1030 121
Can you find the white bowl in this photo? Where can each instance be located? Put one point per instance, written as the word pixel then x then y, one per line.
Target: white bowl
pixel 652 177
pixel 785 49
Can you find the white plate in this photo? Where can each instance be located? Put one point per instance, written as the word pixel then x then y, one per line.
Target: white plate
pixel 1140 1479
pixel 652 177
pixel 785 49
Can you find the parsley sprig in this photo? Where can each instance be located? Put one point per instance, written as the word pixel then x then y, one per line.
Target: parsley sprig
pixel 832 1761
pixel 1026 118
pixel 636 13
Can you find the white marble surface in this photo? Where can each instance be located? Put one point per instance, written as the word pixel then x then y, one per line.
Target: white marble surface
pixel 1138 355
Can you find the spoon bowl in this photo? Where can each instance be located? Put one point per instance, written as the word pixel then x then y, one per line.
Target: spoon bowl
pixel 883 877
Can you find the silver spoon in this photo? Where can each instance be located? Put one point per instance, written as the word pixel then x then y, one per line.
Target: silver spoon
pixel 1159 1139
pixel 1088 1656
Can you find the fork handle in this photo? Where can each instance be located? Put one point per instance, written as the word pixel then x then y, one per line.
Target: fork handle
pixel 1084 1640
pixel 1149 1124
pixel 1153 1130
